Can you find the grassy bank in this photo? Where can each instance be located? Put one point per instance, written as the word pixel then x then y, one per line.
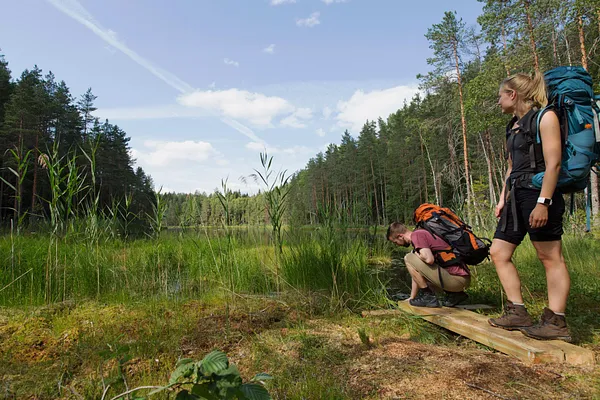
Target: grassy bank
pixel 75 351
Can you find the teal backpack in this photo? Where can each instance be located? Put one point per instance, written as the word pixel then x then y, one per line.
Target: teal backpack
pixel 571 95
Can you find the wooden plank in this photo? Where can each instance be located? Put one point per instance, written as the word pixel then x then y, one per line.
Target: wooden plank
pixel 395 312
pixel 475 327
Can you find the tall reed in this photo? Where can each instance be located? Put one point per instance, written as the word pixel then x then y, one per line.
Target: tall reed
pixel 277 189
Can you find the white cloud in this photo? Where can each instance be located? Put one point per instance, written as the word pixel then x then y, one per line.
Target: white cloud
pixel 310 21
pixel 227 61
pixel 212 85
pixel 297 119
pixel 327 112
pixel 328 2
pixel 354 112
pixel 270 49
pixel 279 2
pixel 256 108
pixel 161 154
pixel 320 132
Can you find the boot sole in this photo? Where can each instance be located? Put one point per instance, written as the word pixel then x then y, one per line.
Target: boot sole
pixel 426 306
pixel 567 339
pixel 509 328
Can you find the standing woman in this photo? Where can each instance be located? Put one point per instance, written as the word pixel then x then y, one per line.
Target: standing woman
pixel 524 209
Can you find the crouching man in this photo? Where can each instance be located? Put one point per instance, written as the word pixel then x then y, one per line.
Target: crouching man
pixel 423 264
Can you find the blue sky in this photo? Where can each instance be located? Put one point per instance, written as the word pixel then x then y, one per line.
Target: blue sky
pixel 203 86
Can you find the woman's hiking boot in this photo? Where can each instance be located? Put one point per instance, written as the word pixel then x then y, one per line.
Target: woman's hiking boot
pixel 515 317
pixel 551 326
pixel 452 299
pixel 425 298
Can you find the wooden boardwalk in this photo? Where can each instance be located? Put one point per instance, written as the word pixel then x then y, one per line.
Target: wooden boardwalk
pixel 514 343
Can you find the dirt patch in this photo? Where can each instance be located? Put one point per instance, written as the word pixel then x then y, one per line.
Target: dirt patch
pixel 395 367
pixel 405 369
pixel 226 331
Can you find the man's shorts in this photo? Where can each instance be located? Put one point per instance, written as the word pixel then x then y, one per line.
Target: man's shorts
pixel 452 283
pixel 526 202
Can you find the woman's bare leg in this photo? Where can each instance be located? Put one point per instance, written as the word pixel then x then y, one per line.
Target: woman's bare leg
pixel 501 253
pixel 557 274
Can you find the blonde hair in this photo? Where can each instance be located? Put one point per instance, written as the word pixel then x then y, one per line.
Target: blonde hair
pixel 531 89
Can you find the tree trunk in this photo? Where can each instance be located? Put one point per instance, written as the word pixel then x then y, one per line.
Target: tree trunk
pixel 314 196
pixel 494 156
pixel 17 206
pixel 555 56
pixel 35 172
pixel 453 162
pixel 435 187
pixel 463 121
pixel 439 186
pixel 593 176
pixel 423 168
pixel 568 46
pixel 582 41
pixel 536 63
pixel 375 192
pixel 420 191
pixel 488 160
pixel 2 193
pixel 383 191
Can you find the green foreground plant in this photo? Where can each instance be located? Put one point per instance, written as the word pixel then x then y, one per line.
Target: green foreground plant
pixel 212 378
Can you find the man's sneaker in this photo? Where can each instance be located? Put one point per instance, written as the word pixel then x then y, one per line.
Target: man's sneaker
pixel 425 299
pixel 551 327
pixel 452 299
pixel 514 317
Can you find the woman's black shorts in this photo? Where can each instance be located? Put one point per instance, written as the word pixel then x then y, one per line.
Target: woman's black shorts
pixel 526 202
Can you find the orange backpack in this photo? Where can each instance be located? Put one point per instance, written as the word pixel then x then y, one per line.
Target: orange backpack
pixel 463 245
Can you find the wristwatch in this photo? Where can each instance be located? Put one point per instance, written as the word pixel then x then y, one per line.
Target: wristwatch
pixel 545 201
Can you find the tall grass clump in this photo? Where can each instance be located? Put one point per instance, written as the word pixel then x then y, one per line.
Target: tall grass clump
pixel 333 261
pixel 239 267
pixel 277 189
pixel 66 184
pixel 21 163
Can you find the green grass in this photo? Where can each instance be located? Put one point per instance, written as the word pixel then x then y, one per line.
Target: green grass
pixel 169 267
pixel 38 269
pixel 187 293
pixel 46 352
